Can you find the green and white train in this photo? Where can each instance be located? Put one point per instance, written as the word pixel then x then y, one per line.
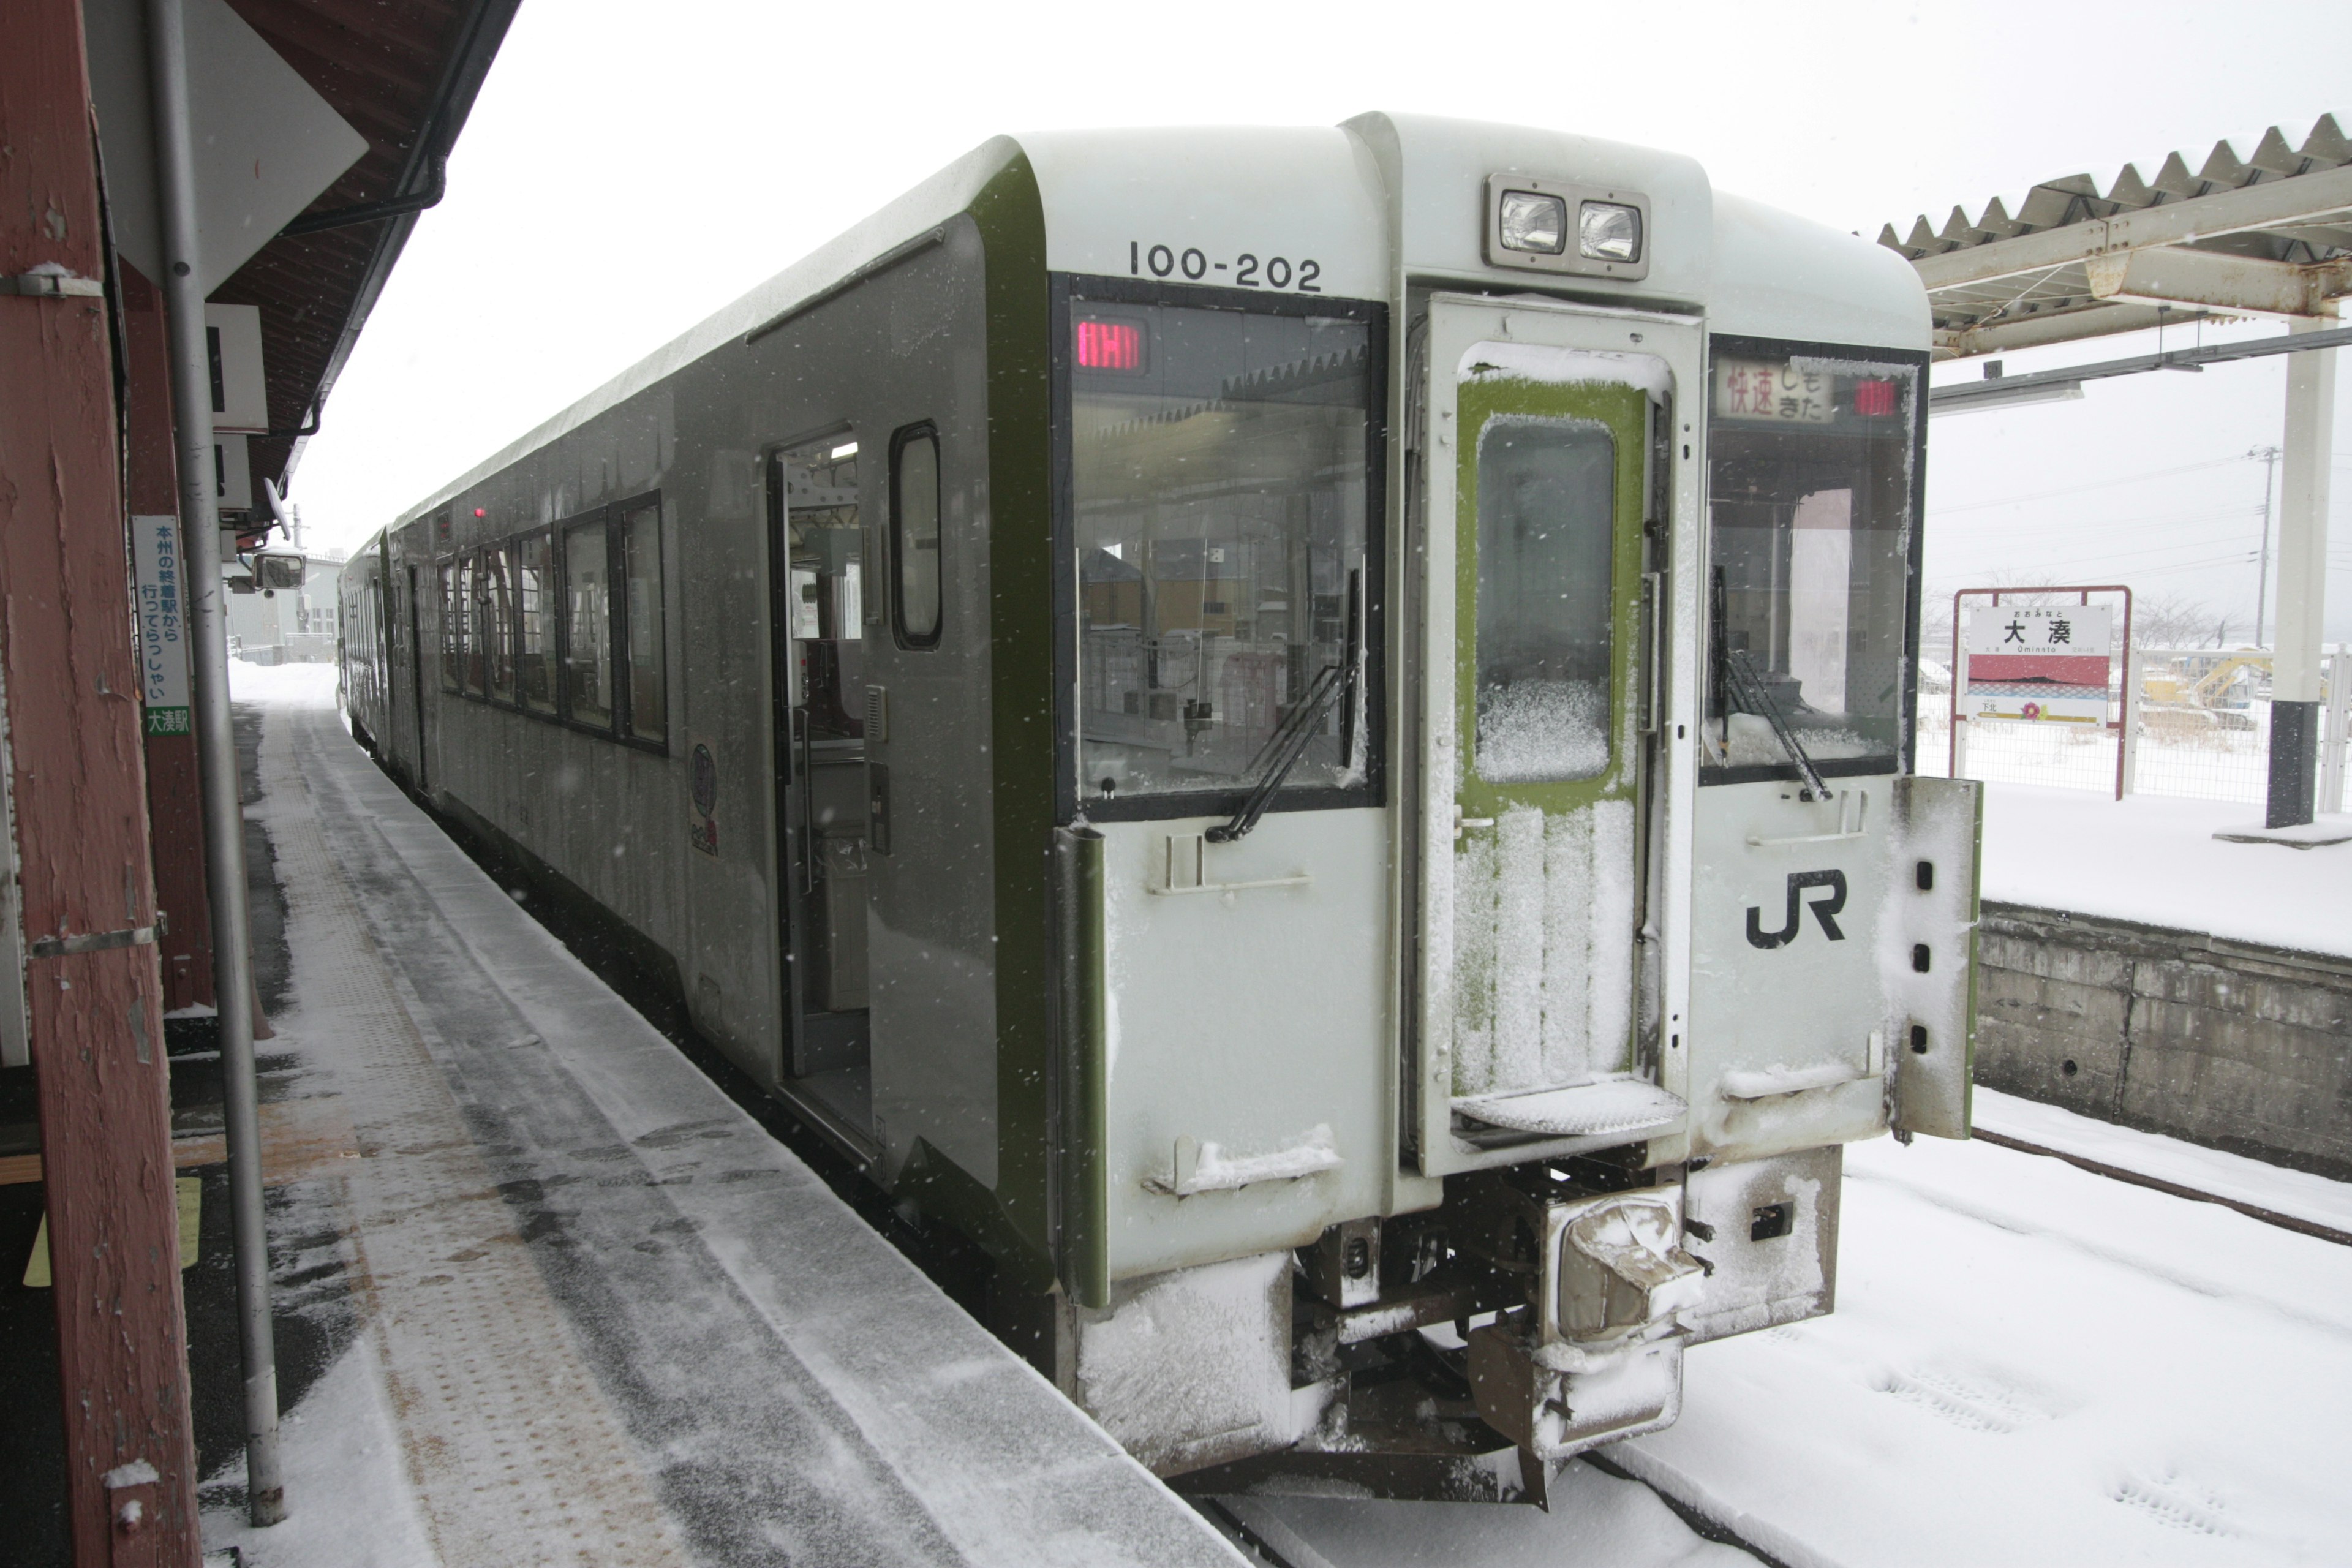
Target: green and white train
pixel 1304 735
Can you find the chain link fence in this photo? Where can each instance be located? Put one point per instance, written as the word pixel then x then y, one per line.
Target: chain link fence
pixel 2204 733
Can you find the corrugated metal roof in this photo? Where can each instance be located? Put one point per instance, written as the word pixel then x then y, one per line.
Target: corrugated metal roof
pixel 2004 279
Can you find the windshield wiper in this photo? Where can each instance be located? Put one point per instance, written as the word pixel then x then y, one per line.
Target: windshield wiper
pixel 1288 742
pixel 1750 688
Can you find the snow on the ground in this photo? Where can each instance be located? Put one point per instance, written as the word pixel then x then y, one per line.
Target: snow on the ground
pixel 1595 1520
pixel 350 1501
pixel 302 685
pixel 2031 1363
pixel 2257 1182
pixel 2157 862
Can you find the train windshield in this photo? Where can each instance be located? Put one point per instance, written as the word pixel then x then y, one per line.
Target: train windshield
pixel 1812 479
pixel 1222 464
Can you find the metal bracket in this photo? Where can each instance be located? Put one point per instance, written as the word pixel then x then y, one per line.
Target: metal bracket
pixel 1861 806
pixel 40 285
pixel 93 942
pixel 1186 870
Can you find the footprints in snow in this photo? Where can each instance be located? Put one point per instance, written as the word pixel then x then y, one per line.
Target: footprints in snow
pixel 1978 1403
pixel 2174 1501
pixel 1974 1403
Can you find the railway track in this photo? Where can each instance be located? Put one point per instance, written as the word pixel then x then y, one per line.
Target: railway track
pixel 2140 1179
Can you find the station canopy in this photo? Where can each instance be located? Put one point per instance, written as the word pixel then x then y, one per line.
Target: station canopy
pixel 2266 235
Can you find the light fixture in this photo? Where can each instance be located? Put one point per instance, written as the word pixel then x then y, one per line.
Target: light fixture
pixel 1970 397
pixel 1588 230
pixel 1608 231
pixel 846 450
pixel 1535 223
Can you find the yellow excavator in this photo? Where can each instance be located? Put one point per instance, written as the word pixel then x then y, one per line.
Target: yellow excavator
pixel 2217 686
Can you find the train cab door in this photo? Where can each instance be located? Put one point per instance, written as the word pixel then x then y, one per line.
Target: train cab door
pixel 816 564
pixel 1545 530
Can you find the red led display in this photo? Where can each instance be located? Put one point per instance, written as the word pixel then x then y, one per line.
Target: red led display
pixel 1873 399
pixel 1109 345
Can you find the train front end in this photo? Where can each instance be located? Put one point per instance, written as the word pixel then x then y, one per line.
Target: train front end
pixel 1490 884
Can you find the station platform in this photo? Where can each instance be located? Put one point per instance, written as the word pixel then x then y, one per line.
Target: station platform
pixel 585 1308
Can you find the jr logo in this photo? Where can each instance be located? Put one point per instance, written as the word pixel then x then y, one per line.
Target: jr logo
pixel 1824 909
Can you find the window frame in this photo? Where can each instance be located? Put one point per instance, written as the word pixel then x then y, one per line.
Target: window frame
pixel 499 593
pixel 616 624
pixel 1737 345
pixel 611 729
pixel 902 438
pixel 452 633
pixel 623 682
pixel 475 663
pixel 1374 737
pixel 463 571
pixel 554 712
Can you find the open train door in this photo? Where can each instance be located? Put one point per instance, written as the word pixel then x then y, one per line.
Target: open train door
pixel 1548 449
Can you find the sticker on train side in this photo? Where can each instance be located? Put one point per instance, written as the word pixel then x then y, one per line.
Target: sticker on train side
pixel 1247 270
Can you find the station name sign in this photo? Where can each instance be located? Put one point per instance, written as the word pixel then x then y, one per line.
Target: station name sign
pixel 2044 663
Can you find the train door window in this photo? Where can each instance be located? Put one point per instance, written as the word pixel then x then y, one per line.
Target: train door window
pixel 641 617
pixel 534 591
pixel 1812 472
pixel 452 634
pixel 825 540
pixel 1547 514
pixel 497 620
pixel 587 624
pixel 915 535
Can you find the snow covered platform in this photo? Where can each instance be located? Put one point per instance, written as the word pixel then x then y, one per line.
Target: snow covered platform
pixel 2161 862
pixel 598 1314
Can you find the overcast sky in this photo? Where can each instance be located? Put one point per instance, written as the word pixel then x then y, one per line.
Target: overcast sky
pixel 628 170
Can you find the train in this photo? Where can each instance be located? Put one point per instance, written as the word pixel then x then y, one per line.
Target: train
pixel 1304 735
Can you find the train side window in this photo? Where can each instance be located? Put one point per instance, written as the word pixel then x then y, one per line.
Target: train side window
pixel 641 618
pixel 453 626
pixel 447 600
pixel 497 620
pixel 534 588
pixel 587 624
pixel 915 534
pixel 471 632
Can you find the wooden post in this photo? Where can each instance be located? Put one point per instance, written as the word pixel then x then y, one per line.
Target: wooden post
pixel 175 809
pixel 92 985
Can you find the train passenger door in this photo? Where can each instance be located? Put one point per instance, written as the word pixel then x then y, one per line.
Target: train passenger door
pixel 1545 541
pixel 817 629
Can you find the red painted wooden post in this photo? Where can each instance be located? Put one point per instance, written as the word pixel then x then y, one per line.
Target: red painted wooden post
pixel 92 984
pixel 173 802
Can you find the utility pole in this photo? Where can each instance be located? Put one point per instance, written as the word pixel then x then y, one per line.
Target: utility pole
pixel 2268 457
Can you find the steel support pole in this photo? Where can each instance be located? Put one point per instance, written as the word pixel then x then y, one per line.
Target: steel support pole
pixel 2301 579
pixel 2332 758
pixel 224 814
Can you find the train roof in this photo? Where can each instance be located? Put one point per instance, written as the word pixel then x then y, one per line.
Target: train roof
pixel 1380 201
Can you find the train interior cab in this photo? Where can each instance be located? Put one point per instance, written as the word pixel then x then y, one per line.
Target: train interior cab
pixel 816 547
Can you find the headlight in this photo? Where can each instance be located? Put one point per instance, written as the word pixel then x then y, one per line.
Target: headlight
pixel 1604 231
pixel 1535 223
